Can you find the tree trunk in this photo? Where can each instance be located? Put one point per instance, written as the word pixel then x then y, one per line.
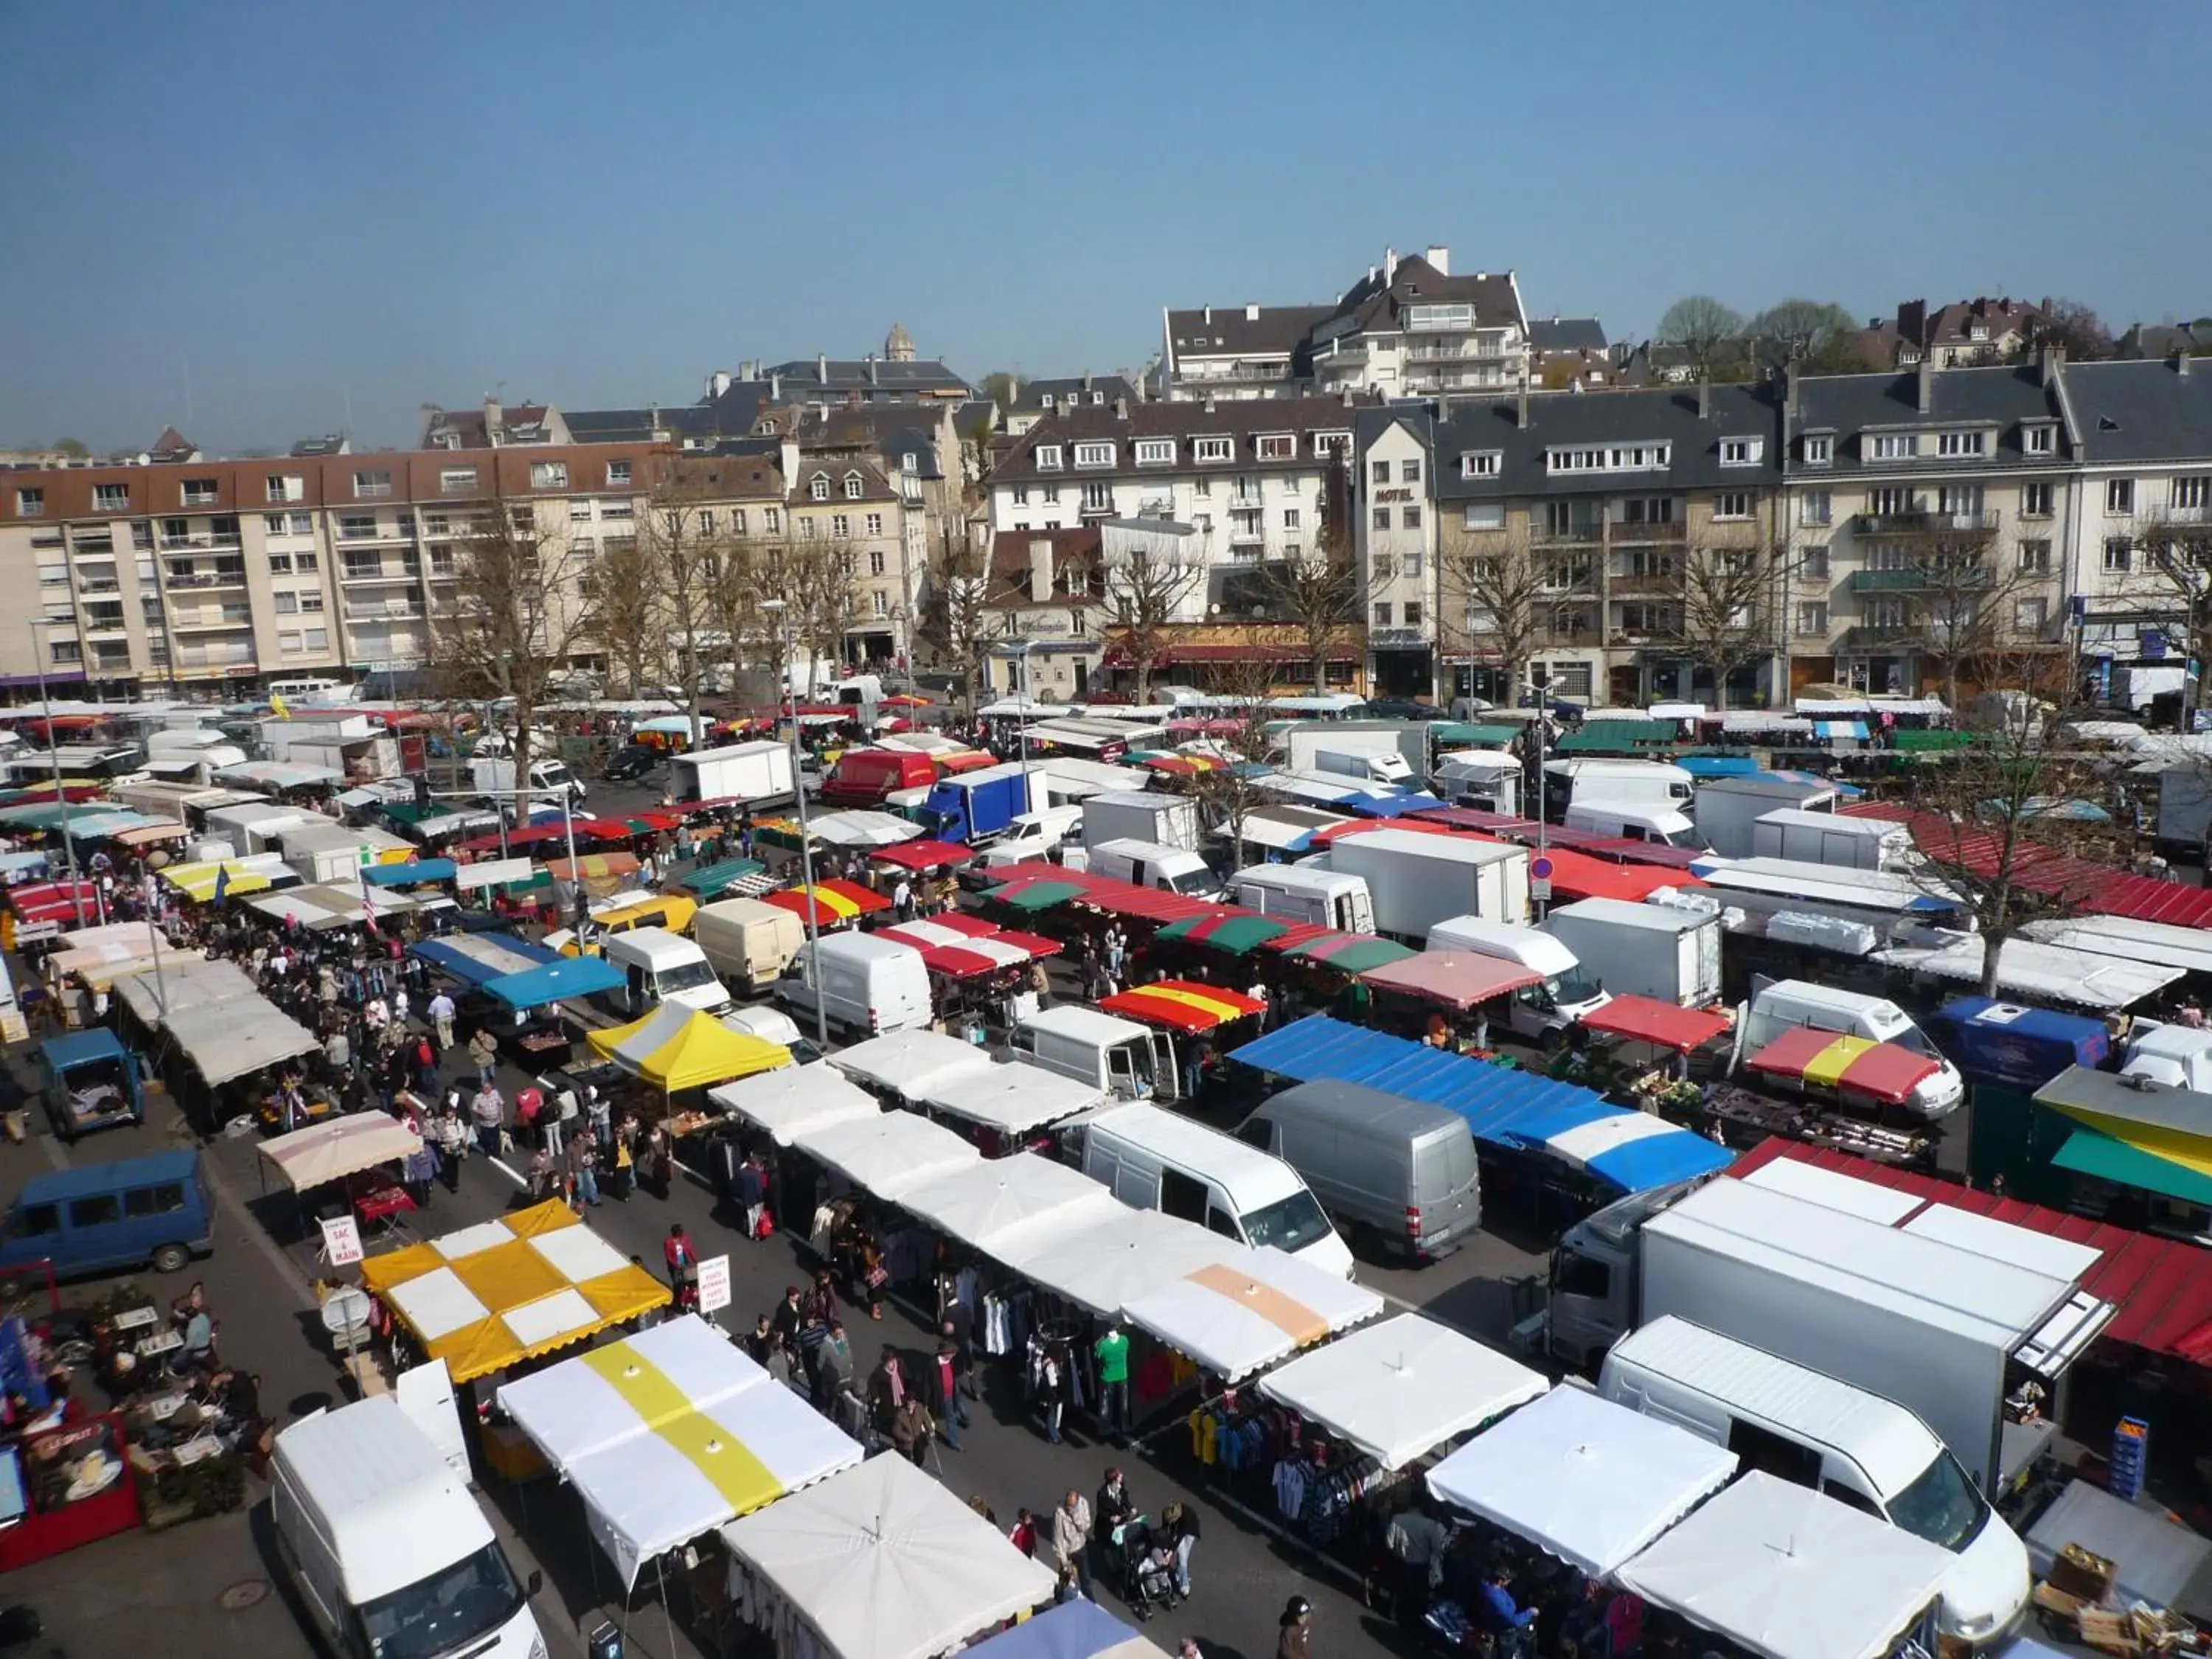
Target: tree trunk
pixel 1993 943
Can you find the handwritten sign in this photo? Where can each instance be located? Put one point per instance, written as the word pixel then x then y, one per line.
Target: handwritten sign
pixel 341 1241
pixel 714 1283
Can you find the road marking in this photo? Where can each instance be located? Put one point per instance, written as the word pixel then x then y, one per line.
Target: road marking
pixel 519 1181
pixel 57 1154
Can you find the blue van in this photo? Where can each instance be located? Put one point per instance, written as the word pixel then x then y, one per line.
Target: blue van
pixel 92 1082
pixel 111 1217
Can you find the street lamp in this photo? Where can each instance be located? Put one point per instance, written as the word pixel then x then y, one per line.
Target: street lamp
pixel 46 704
pixel 780 611
pixel 1019 650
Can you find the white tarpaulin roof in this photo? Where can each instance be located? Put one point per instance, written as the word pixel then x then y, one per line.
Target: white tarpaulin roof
pixel 1006 1204
pixel 1786 1573
pixel 880 1562
pixel 188 980
pixel 1242 1315
pixel 1403 1388
pixel 795 1097
pixel 670 1434
pixel 2026 967
pixel 909 1063
pixel 890 1154
pixel 329 904
pixel 228 1040
pixel 1588 1480
pixel 1105 1267
pixel 1012 1096
pixel 863 829
pixel 340 1147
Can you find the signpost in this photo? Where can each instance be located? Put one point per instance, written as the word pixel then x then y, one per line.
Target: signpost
pixel 1540 879
pixel 713 1284
pixel 340 1241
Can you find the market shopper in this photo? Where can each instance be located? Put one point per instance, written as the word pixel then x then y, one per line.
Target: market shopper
pixel 441 1019
pixel 487 1111
pixel 484 1051
pixel 944 1393
pixel 1294 1630
pixel 1071 1544
pixel 1112 1352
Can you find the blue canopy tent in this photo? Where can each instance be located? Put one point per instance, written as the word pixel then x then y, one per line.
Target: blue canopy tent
pixel 479 958
pixel 555 981
pixel 1512 1110
pixel 416 873
pixel 1074 1629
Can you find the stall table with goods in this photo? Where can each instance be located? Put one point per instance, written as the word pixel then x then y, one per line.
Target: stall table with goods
pixel 1628 1036
pixel 355 1155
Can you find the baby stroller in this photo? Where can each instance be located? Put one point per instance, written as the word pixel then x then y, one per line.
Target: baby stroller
pixel 1147 1567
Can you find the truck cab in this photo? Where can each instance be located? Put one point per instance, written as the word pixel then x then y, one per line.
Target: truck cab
pixel 1126 1059
pixel 91 1082
pixel 658 966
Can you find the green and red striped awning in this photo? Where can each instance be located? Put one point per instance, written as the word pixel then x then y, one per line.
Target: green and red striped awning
pixel 1350 953
pixel 1233 933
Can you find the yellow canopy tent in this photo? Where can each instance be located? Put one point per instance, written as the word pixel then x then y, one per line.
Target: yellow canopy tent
pixel 675 1048
pixel 197 881
pixel 504 1290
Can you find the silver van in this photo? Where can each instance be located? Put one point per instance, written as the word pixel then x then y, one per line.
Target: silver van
pixel 1400 1170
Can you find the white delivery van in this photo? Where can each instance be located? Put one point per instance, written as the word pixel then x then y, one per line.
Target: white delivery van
pixel 773 1025
pixel 1858 1448
pixel 1783 1005
pixel 1370 768
pixel 1119 1056
pixel 391 1554
pixel 657 967
pixel 1635 820
pixel 1154 1160
pixel 1539 1013
pixel 1036 835
pixel 748 943
pixel 1148 864
pixel 1641 783
pixel 1297 892
pixel 864 984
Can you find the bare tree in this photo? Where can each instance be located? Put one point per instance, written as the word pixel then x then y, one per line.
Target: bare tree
pixel 1508 594
pixel 1316 590
pixel 1226 793
pixel 1959 594
pixel 681 534
pixel 629 622
pixel 1719 609
pixel 2173 580
pixel 955 624
pixel 1708 334
pixel 815 580
pixel 2078 331
pixel 1148 576
pixel 1994 824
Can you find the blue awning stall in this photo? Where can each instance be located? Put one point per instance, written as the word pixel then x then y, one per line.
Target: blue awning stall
pixel 1514 1111
pixel 416 873
pixel 479 958
pixel 555 981
pixel 1855 730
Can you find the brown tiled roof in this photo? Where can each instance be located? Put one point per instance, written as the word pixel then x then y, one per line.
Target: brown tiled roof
pixel 1072 548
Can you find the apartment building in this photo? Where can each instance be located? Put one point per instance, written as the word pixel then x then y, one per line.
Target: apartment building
pixel 1047 587
pixel 1034 400
pixel 1394 520
pixel 200 573
pixel 1408 328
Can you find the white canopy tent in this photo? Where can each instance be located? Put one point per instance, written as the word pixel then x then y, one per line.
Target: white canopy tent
pixel 890 1154
pixel 188 980
pixel 225 1040
pixel 1403 1388
pixel 670 1433
pixel 115 944
pixel 880 1562
pixel 342 1146
pixel 793 1098
pixel 909 1064
pixel 1003 1206
pixel 1587 1480
pixel 1235 1318
pixel 1104 1266
pixel 1012 1096
pixel 863 829
pixel 1786 1573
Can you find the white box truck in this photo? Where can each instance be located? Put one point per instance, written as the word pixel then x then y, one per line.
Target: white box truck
pixel 493 776
pixel 1303 743
pixel 1368 766
pixel 1294 892
pixel 1417 880
pixel 1726 808
pixel 757 773
pixel 1140 815
pixel 1813 837
pixel 1488 779
pixel 322 851
pixel 390 1553
pixel 1648 949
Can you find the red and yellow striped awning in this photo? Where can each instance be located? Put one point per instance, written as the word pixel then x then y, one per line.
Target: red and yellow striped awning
pixel 1850 1065
pixel 829 903
pixel 1182 1005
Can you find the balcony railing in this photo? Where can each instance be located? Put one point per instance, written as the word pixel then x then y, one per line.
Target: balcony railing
pixel 196 578
pixel 1920 522
pixel 1587 534
pixel 1643 581
pixel 1649 530
pixel 199 544
pixel 188 622
pixel 1918 581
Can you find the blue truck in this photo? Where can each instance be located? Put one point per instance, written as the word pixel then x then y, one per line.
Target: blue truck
pixel 976 807
pixel 92 1082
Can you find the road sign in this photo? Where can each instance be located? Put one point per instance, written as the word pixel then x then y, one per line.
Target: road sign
pixel 340 1241
pixel 1541 891
pixel 714 1283
pixel 1539 869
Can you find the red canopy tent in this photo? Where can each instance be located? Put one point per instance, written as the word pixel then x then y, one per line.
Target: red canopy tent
pixel 1458 978
pixel 922 854
pixel 1815 1058
pixel 1647 1019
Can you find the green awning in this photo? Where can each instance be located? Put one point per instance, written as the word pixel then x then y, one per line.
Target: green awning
pixel 714 877
pixel 1352 953
pixel 1035 895
pixel 1234 935
pixel 1618 736
pixel 1473 735
pixel 1929 742
pixel 2092 1152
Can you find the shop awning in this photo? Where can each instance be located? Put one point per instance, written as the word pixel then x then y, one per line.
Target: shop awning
pixel 479 958
pixel 1236 1318
pixel 1034 894
pixel 1182 1005
pixel 830 904
pixel 669 1434
pixel 2107 1157
pixel 341 1146
pixel 1233 933
pixel 414 873
pixel 590 867
pixel 791 1099
pixel 882 1562
pixel 1823 1059
pixel 232 1039
pixel 1285 828
pixel 1784 1572
pixel 675 1048
pixel 555 981
pixel 1400 1389
pixel 1580 876
pixel 147 834
pixel 909 1063
pixel 520 835
pixel 863 829
pixel 90 949
pixel 1123 1256
pixel 1074 1630
pixel 1349 953
pixel 890 1154
pixel 1011 1097
pixel 923 855
pixel 1456 979
pixel 1003 1206
pixel 253 874
pixel 710 879
pixel 188 981
pixel 1646 1019
pixel 527 1284
pixel 1583 1478
pixel 972 958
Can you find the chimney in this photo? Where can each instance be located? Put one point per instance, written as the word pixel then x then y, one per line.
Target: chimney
pixel 1704 399
pixel 1390 266
pixel 1481 276
pixel 1347 395
pixel 1439 256
pixel 822 368
pixel 2181 364
pixel 1520 417
pixel 871 368
pixel 1040 570
pixel 1912 320
pixel 1209 314
pixel 1086 382
pixel 1789 389
pixel 1251 311
pixel 1927 387
pixel 1209 402
pixel 775 388
pixel 2050 360
pixel 1121 408
pixel 718 383
pixel 494 418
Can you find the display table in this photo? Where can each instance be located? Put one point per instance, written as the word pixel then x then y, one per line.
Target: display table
pixel 2157 1562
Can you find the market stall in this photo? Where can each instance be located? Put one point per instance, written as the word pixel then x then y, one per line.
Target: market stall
pixel 1005 1207
pixel 1123 1256
pixel 791 1099
pixel 828 904
pixel 1400 1389
pixel 1237 1317
pixel 923 858
pixel 888 1155
pixel 479 958
pixel 863 829
pixel 350 1153
pixel 188 981
pixel 554 982
pixel 669 1434
pixel 675 1048
pixel 1853 1070
pixel 907 1064
pixel 1002 1103
pixel 209 880
pixel 532 1281
pixel 1079 1629
pixel 1189 1007
pixel 1785 1573
pixel 879 1562
pixel 1590 1481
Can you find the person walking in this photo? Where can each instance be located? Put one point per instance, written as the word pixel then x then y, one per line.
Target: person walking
pixel 887 1388
pixel 682 1265
pixel 1071 1545
pixel 452 1141
pixel 832 1372
pixel 1052 1394
pixel 583 1160
pixel 909 1432
pixel 944 1393
pixel 903 898
pixel 485 1111
pixel 1294 1630
pixel 752 1191
pixel 484 1050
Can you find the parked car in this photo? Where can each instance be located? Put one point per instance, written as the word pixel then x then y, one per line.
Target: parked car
pixel 632 760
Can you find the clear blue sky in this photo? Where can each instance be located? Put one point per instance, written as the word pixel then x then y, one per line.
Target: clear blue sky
pixel 280 206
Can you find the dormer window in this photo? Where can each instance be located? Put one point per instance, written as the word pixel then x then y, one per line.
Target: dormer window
pixel 1741 452
pixel 1332 443
pixel 853 486
pixel 1094 454
pixel 1211 449
pixel 1958 444
pixel 1895 445
pixel 1156 452
pixel 1046 401
pixel 2039 440
pixel 1276 446
pixel 820 489
pixel 1481 464
pixel 1819 451
pixel 1048 457
pixel 1097 397
pixel 1978 332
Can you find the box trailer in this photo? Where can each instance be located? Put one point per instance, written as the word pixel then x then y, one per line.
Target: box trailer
pixel 1416 880
pixel 756 774
pixel 1652 951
